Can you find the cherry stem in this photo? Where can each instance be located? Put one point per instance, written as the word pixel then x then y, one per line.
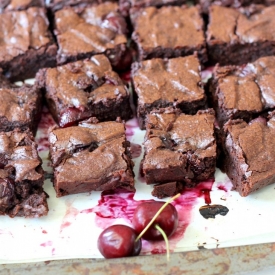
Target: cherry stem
pixel 156 215
pixel 165 239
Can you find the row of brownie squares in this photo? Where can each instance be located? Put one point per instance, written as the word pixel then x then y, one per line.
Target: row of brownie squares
pixel 233 36
pixel 125 5
pixel 178 147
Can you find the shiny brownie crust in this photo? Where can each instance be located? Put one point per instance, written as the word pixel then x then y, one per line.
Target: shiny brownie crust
pixel 161 83
pixel 21 176
pixel 239 36
pixel 20 107
pixel 95 29
pixel 91 157
pixel 249 153
pixel 179 147
pixel 25 49
pixel 83 89
pixel 180 34
pixel 243 92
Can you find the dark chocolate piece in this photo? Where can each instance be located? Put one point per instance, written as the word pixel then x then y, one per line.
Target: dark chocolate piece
pixel 210 211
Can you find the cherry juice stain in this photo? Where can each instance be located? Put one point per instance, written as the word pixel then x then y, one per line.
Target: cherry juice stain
pixel 48 243
pixel 130 126
pixel 135 150
pixel 45 123
pixel 121 204
pixel 70 216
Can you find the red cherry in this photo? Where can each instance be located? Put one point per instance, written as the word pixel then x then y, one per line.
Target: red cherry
pixel 167 220
pixel 118 241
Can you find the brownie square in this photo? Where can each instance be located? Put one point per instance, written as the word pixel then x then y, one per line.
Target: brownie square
pixel 169 32
pixel 249 154
pixel 243 91
pixel 21 176
pixel 126 5
pixel 91 157
pixel 239 36
pixel 168 82
pixel 83 89
pixel 12 5
pixel 83 32
pixel 20 107
pixel 179 147
pixel 26 43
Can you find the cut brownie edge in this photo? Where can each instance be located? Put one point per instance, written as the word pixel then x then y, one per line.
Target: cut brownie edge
pixel 168 189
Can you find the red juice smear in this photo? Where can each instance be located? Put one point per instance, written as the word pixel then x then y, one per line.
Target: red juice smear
pixel 48 243
pixel 135 150
pixel 44 232
pixel 130 126
pixel 223 188
pixel 69 216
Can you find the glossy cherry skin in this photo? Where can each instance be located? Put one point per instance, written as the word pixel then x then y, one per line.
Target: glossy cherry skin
pixel 118 241
pixel 167 219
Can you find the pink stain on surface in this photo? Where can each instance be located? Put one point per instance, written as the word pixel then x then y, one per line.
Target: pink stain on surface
pixel 45 123
pixel 135 150
pixel 69 217
pixel 44 232
pixel 131 125
pixel 48 243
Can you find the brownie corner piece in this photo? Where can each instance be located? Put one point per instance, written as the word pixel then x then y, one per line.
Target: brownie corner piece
pixel 239 36
pixel 20 107
pixel 83 89
pixel 95 29
pixel 21 176
pixel 249 154
pixel 161 83
pixel 26 49
pixel 93 156
pixel 179 147
pixel 180 34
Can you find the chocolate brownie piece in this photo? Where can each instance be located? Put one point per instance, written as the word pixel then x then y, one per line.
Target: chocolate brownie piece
pixel 239 36
pixel 83 32
pixel 243 91
pixel 26 43
pixel 21 176
pixel 249 150
pixel 205 4
pixel 20 107
pixel 126 5
pixel 168 189
pixel 169 32
pixel 83 89
pixel 91 157
pixel 179 147
pixel 12 5
pixel 168 82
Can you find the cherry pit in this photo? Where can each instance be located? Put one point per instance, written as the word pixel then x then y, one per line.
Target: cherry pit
pixel 152 221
